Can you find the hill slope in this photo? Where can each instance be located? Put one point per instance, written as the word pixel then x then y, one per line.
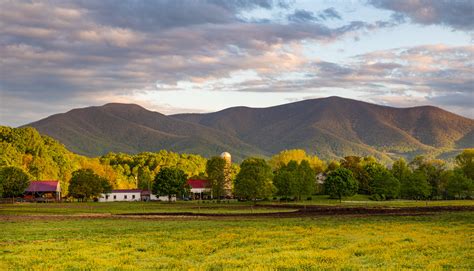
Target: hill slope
pixel 130 128
pixel 330 127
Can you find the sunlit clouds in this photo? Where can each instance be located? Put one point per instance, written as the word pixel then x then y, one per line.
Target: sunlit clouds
pixel 169 55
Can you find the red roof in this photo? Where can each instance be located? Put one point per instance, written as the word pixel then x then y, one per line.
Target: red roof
pixel 198 183
pixel 43 186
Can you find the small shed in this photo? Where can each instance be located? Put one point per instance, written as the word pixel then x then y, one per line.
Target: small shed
pixel 49 190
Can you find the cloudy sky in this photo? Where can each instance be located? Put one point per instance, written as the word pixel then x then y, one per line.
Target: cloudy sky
pixel 177 56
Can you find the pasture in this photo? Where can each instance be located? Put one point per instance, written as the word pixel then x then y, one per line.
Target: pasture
pixel 98 236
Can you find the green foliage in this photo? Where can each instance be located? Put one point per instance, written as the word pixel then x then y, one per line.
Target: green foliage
pixel 400 170
pixel 340 183
pixel 457 184
pixel 218 172
pixel 382 184
pixel 415 186
pixel 465 161
pixel 254 181
pixel 142 167
pixel 85 184
pixel 40 156
pixel 295 179
pixel 284 179
pixel 333 165
pixel 356 165
pixel 169 182
pixel 13 181
pixel 433 169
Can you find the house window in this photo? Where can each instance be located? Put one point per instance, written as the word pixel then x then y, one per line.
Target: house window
pixel 133 196
pixel 125 197
pixel 106 196
pixel 115 196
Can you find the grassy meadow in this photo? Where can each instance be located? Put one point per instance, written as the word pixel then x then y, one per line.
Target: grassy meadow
pixel 63 237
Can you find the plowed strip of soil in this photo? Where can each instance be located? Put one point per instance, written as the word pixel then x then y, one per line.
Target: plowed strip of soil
pixel 310 211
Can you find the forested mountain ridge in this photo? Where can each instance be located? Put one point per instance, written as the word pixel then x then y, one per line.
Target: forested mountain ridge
pixel 129 128
pixel 329 127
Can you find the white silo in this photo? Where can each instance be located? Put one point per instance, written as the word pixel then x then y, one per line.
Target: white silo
pixel 227 157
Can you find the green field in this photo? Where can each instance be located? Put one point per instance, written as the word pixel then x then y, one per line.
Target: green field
pixel 68 236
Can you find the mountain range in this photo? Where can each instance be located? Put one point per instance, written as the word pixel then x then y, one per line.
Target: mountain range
pixel 330 127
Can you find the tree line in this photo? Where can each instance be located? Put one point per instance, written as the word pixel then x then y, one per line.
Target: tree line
pixel 292 174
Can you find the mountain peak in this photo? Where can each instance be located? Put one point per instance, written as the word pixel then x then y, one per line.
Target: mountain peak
pixel 330 127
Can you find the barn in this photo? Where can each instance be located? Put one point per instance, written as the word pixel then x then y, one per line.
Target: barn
pixel 200 189
pixel 43 191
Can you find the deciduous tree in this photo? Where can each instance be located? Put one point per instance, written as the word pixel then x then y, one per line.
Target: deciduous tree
pixel 254 180
pixel 340 183
pixel 465 161
pixel 13 181
pixel 169 182
pixel 85 184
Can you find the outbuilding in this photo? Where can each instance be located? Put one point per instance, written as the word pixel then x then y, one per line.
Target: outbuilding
pixel 131 195
pixel 122 195
pixel 200 189
pixel 43 191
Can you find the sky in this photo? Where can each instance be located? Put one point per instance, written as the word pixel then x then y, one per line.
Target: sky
pixel 177 56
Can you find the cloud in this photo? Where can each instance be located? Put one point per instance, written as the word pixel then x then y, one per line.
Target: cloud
pixel 73 48
pixel 74 52
pixel 302 16
pixel 456 14
pixel 305 16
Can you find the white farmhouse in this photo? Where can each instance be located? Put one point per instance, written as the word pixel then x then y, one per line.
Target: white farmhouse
pixel 131 195
pixel 122 195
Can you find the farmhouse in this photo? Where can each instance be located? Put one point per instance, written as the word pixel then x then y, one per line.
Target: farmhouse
pixel 122 195
pixel 200 189
pixel 131 195
pixel 43 191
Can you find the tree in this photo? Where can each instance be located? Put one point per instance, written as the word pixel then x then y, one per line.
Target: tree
pixel 355 165
pixel 400 170
pixel 284 179
pixel 145 179
pixel 305 180
pixel 298 155
pixel 341 183
pixel 433 169
pixel 333 165
pixel 169 182
pixel 415 186
pixel 13 181
pixel 465 161
pixel 384 185
pixel 458 184
pixel 85 184
pixel 254 180
pixel 218 173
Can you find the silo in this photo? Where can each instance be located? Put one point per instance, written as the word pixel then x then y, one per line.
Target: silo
pixel 227 173
pixel 227 157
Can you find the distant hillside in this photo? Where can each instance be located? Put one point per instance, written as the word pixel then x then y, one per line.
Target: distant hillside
pixel 129 128
pixel 329 127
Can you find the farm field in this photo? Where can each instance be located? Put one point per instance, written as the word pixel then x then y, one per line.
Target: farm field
pixel 63 236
